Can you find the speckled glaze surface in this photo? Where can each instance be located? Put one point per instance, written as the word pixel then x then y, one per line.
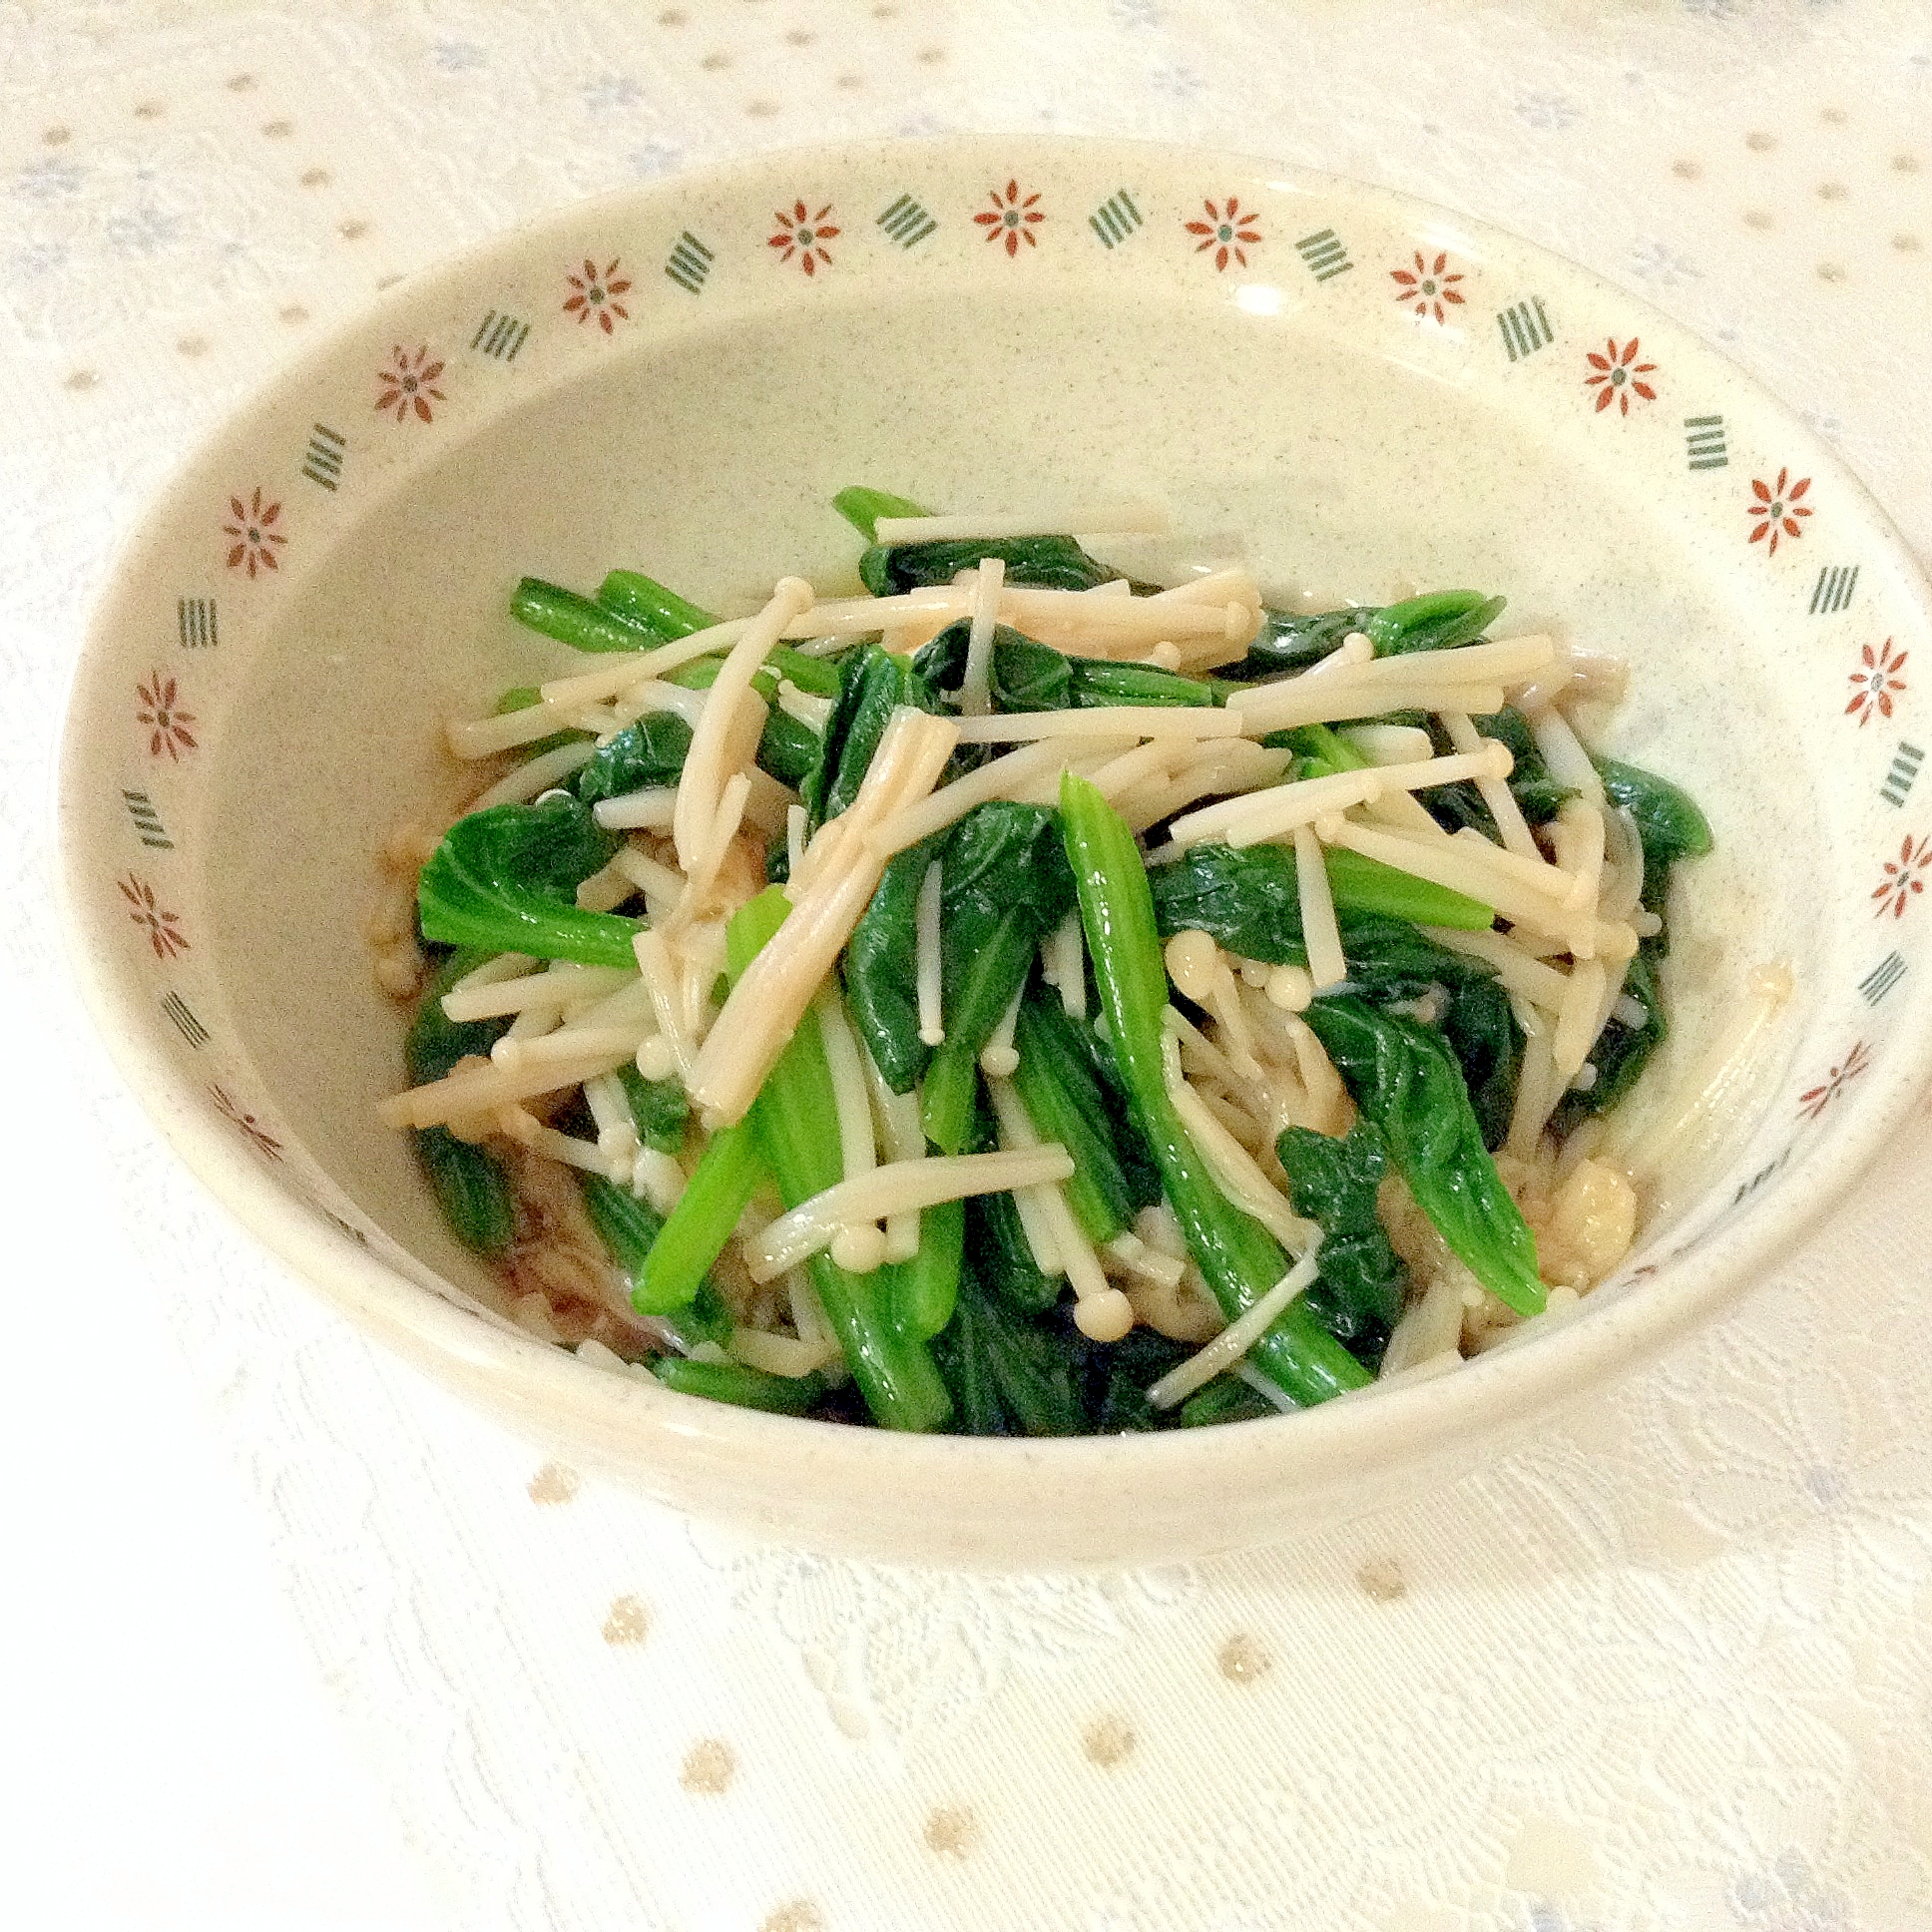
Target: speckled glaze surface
pixel 1362 392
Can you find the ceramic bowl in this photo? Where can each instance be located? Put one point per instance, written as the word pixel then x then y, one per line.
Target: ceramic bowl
pixel 1365 393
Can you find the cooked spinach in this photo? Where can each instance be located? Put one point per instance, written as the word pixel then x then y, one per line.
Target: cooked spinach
pixel 1047 563
pixel 1029 677
pixel 506 878
pixel 894 1368
pixel 578 620
pixel 872 684
pixel 1481 1028
pixel 1404 1078
pixel 1333 1183
pixel 644 601
pixel 881 968
pixel 469 1181
pixel 658 1108
pixel 788 748
pixel 744 1388
pixel 924 1290
pixel 1008 1374
pixel 1669 824
pixel 1004 885
pixel 1055 1081
pixel 628 1229
pixel 650 751
pixel 1119 1375
pixel 1239 1259
pixel 862 509
pixel 1002 1259
pixel 1538 796
pixel 1293 640
pixel 1226 1400
pixel 1248 898
pixel 1621 1052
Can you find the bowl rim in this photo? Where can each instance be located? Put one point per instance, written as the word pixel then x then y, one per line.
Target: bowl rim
pixel 1500 1389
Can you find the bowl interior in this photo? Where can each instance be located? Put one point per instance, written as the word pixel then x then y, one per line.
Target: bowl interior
pixel 1348 447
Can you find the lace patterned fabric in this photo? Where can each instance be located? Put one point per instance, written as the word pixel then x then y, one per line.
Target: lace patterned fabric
pixel 1668 1666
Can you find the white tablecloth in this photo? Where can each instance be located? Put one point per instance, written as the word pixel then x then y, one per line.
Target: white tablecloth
pixel 1671 1667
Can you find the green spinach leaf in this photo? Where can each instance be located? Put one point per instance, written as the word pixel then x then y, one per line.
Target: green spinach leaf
pixel 1404 1078
pixel 1005 884
pixel 881 968
pixel 506 878
pixel 1333 1183
pixel 650 751
pixel 1009 1375
pixel 1047 562
pixel 1248 898
pixel 872 684
pixel 1029 677
pixel 1293 640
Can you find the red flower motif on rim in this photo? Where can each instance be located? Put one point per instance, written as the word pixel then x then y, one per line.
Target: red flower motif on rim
pixel 167 722
pixel 162 927
pixel 1011 220
pixel 1875 682
pixel 259 1136
pixel 1777 509
pixel 409 382
pixel 1228 230
pixel 1904 878
pixel 1618 376
pixel 803 235
pixel 1425 286
pixel 1813 1101
pixel 597 295
pixel 255 537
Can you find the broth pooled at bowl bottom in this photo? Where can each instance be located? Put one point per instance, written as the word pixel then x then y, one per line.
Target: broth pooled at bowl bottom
pixel 1025 1000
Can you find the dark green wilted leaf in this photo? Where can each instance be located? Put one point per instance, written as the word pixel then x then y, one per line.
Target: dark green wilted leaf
pixel 1404 1078
pixel 1002 1261
pixel 1029 677
pixel 1063 1100
pixel 506 879
pixel 872 684
pixel 658 1108
pixel 1669 824
pixel 1248 898
pixel 1119 1375
pixel 628 1229
pixel 469 1181
pixel 881 969
pixel 1048 563
pixel 1333 1183
pixel 1537 794
pixel 1008 1374
pixel 650 751
pixel 1481 1028
pixel 1226 1400
pixel 787 747
pixel 1293 640
pixel 1005 884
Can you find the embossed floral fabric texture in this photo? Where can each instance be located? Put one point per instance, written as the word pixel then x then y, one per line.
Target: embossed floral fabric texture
pixel 1668 1666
